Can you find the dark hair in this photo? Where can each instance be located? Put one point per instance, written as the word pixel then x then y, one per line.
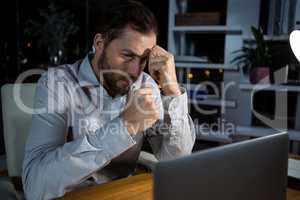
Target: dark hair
pixel 118 15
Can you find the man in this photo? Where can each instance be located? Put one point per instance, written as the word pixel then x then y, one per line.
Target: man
pixel 92 116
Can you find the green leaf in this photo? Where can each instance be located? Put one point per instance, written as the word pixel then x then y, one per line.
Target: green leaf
pixel 254 55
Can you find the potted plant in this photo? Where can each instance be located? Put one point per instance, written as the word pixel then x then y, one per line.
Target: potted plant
pixel 255 57
pixel 52 31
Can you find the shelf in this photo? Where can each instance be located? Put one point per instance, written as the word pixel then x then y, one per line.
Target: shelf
pixel 209 29
pixel 209 100
pixel 270 87
pixel 294 167
pixel 191 59
pixel 250 131
pixel 294 156
pixel 216 137
pixel 253 131
pixel 214 102
pixel 205 66
pixel 269 38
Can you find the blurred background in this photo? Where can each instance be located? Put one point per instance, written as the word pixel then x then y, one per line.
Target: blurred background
pixel 41 34
pixel 220 41
pixel 36 34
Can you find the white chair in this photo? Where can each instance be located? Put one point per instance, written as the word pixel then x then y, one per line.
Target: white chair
pixel 16 124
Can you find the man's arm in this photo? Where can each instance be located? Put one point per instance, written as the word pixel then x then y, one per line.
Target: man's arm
pixel 51 166
pixel 173 136
pixel 176 134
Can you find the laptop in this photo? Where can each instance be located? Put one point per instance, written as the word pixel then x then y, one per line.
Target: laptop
pixel 251 170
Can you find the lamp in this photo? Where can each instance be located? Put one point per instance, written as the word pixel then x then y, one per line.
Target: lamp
pixel 295 43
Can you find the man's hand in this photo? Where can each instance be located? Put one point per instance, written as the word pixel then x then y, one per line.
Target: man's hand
pixel 140 112
pixel 162 69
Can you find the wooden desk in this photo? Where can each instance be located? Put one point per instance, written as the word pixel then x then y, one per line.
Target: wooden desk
pixel 293 194
pixel 133 188
pixel 137 187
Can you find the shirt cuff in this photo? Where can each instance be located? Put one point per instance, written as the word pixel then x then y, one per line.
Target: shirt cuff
pixel 113 138
pixel 176 105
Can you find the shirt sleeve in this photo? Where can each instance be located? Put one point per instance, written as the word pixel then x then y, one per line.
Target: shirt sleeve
pixel 51 166
pixel 173 135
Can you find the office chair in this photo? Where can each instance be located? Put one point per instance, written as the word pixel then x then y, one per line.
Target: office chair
pixel 16 124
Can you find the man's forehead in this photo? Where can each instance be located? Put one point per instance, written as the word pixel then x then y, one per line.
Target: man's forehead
pixel 138 43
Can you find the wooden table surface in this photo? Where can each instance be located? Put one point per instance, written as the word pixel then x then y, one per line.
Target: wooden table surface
pixel 293 194
pixel 137 187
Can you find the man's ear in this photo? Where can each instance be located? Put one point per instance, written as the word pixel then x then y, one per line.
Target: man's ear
pixel 98 43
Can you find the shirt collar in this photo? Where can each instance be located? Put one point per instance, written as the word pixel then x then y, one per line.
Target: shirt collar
pixel 86 75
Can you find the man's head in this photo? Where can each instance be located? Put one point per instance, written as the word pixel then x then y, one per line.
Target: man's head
pixel 126 34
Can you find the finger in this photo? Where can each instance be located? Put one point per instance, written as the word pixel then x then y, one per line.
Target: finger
pixel 151 121
pixel 152 114
pixel 144 91
pixel 159 57
pixel 144 108
pixel 148 100
pixel 157 63
pixel 149 85
pixel 143 102
pixel 154 117
pixel 144 96
pixel 155 69
pixel 149 108
pixel 157 50
pixel 157 66
pixel 157 115
pixel 136 96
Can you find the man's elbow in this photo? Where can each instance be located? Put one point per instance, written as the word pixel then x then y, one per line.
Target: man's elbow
pixel 34 185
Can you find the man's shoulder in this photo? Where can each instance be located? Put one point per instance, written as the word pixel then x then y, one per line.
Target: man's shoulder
pixel 66 73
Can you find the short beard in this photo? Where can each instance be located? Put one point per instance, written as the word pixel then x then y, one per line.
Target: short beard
pixel 108 78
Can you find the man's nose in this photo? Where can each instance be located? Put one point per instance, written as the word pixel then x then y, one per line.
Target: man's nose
pixel 134 68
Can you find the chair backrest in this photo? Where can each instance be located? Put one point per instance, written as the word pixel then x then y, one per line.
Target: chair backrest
pixel 16 123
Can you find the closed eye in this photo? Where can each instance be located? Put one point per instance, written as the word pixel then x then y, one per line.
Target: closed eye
pixel 128 57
